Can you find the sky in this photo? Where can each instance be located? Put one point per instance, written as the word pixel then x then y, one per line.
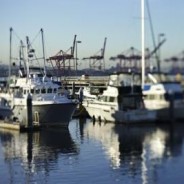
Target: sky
pixel 92 21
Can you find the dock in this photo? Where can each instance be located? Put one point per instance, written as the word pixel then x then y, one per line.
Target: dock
pixel 10 125
pixel 81 81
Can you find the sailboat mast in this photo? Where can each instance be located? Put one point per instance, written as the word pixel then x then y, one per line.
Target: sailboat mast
pixel 43 47
pixel 10 59
pixel 142 43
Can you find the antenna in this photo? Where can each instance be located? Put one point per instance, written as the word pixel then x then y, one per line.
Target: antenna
pixel 10 59
pixel 43 47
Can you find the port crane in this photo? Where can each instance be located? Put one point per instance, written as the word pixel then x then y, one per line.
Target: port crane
pixel 63 62
pixel 131 58
pixel 176 62
pixel 97 61
pixel 128 59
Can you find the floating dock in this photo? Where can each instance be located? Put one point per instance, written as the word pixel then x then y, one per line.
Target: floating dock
pixel 17 126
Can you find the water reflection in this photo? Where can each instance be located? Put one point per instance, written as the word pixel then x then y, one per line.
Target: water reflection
pixel 35 153
pixel 136 149
pixel 128 154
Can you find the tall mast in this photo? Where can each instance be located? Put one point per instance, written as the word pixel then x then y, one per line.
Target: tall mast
pixel 10 57
pixel 43 47
pixel 27 56
pixel 22 55
pixel 143 43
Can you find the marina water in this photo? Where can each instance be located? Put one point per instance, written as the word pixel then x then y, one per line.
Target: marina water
pixel 91 153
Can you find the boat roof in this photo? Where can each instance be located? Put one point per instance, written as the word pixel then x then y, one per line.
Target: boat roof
pixel 163 87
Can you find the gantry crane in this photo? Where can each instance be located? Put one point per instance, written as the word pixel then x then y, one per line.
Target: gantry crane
pixel 131 58
pixel 63 62
pixel 97 61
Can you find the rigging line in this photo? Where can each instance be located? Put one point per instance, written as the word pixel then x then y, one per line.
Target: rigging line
pixel 36 58
pixel 16 35
pixel 152 33
pixel 151 24
pixel 35 37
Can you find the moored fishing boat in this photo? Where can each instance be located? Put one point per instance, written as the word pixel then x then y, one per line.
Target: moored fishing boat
pixel 50 105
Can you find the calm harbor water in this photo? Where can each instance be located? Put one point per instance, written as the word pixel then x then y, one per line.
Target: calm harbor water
pixel 91 153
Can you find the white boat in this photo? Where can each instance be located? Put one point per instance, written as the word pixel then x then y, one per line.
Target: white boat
pixel 123 104
pixel 166 98
pixel 50 105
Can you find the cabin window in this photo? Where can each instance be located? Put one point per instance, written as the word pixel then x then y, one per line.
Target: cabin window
pixel 43 90
pixel 151 97
pixel 37 91
pixel 103 99
pixel 32 91
pixel 157 97
pixel 111 99
pixel 49 90
pixel 162 97
pixel 55 90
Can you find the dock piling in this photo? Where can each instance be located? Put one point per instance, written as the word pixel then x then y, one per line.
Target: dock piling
pixel 29 119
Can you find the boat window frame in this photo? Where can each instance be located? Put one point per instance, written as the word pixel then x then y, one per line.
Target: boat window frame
pixel 37 90
pixel 49 90
pixel 32 91
pixel 54 90
pixel 43 91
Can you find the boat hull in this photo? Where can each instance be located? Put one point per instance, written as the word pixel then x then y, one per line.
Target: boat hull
pixel 109 114
pixel 47 114
pixel 165 112
pixel 5 112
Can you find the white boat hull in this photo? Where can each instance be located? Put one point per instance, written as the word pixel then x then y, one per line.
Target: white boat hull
pixel 47 115
pixel 110 114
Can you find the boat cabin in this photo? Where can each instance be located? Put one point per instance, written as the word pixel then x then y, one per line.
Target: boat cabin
pixel 126 97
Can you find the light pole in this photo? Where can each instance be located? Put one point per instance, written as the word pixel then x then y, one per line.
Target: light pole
pixel 76 54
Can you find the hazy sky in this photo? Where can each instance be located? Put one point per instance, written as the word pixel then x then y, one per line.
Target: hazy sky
pixel 92 21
